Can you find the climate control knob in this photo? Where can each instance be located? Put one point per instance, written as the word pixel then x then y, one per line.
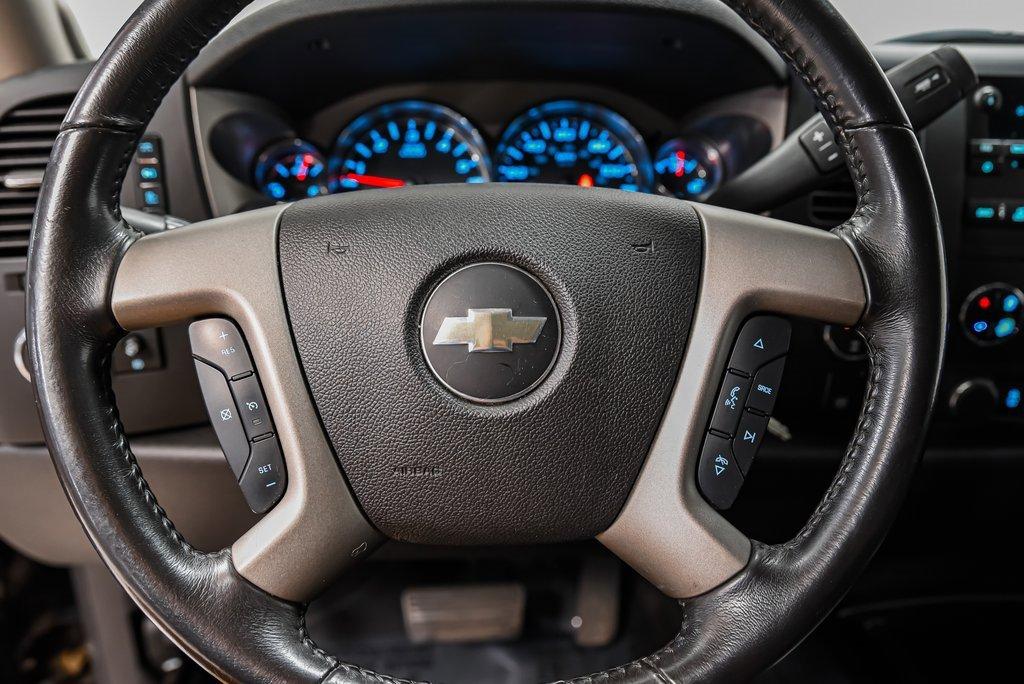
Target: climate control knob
pixel 992 314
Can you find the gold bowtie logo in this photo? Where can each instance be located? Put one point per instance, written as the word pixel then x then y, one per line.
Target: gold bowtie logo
pixel 490 330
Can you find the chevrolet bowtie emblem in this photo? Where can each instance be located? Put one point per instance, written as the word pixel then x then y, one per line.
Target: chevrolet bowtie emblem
pixel 490 330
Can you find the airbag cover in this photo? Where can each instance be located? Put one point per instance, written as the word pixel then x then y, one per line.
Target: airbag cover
pixel 556 464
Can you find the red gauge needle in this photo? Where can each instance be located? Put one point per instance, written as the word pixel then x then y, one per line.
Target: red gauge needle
pixel 680 163
pixel 374 181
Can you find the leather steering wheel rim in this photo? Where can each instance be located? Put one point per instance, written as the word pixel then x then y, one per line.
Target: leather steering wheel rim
pixel 239 632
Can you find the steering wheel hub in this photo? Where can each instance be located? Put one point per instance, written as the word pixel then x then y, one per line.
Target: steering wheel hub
pixel 509 341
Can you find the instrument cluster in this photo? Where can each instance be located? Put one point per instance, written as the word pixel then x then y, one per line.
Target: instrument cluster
pixel 416 142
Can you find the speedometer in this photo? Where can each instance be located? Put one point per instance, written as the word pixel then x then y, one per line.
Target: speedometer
pixel 575 143
pixel 408 143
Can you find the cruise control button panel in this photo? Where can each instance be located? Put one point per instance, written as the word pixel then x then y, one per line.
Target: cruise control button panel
pixel 743 408
pixel 238 411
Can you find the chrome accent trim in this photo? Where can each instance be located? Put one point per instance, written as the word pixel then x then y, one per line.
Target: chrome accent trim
pixel 19 179
pixel 489 330
pixel 19 355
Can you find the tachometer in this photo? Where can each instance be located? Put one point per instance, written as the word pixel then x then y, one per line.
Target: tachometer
pixel 576 143
pixel 291 170
pixel 408 143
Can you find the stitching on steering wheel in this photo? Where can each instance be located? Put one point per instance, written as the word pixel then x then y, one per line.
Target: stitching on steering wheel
pixel 365 673
pixel 834 114
pixel 129 456
pixel 852 453
pixel 135 131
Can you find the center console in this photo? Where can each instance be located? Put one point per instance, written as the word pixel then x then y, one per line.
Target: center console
pixel 985 379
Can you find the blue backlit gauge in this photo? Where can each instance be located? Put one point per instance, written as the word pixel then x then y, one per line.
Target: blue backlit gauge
pixel 292 170
pixel 408 143
pixel 993 314
pixel 574 143
pixel 689 169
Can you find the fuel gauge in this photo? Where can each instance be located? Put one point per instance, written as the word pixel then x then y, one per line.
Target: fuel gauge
pixel 690 169
pixel 292 170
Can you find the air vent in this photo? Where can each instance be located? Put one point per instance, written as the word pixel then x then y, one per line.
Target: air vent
pixel 832 205
pixel 27 134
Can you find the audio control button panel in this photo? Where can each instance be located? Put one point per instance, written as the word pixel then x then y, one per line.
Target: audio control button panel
pixel 238 411
pixel 743 408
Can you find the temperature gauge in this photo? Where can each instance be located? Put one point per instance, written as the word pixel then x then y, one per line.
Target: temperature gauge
pixel 292 170
pixel 688 169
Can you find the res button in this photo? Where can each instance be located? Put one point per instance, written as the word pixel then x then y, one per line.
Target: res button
pixel 218 342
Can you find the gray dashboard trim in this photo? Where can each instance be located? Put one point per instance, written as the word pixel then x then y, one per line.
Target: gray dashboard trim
pixel 988 60
pixel 185 468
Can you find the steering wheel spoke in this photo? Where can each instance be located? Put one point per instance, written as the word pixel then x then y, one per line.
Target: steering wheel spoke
pixel 667 531
pixel 228 267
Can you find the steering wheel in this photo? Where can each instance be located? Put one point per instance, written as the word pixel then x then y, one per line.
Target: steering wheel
pixel 645 295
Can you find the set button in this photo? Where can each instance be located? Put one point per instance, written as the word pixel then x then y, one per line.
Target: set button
pixel 264 480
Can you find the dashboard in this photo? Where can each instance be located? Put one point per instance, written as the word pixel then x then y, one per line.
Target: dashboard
pixel 477 94
pixel 309 98
pixel 255 153
pixel 565 141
